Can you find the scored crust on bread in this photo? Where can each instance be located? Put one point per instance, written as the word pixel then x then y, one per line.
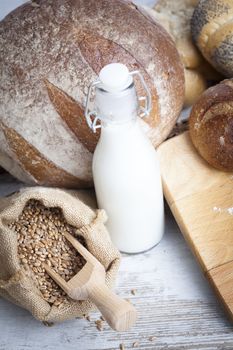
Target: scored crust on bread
pixel 44 171
pixel 211 125
pixel 50 54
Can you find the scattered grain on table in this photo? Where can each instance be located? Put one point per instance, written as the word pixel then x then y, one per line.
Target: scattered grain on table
pixel 48 324
pixel 99 325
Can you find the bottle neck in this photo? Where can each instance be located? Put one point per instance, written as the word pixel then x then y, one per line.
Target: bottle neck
pixel 116 108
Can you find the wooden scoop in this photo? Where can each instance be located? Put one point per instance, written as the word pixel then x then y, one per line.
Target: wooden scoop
pixel 89 283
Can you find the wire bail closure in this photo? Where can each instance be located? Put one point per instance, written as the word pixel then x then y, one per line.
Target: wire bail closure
pixel 92 117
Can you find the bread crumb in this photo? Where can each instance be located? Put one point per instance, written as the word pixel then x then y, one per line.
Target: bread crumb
pixel 230 210
pixel 223 210
pixel 216 209
pixel 133 291
pixel 122 346
pixel 135 344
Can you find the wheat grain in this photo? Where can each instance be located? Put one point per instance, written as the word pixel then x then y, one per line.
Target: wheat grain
pixel 40 233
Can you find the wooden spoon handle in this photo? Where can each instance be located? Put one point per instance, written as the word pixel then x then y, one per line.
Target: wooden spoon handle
pixel 119 313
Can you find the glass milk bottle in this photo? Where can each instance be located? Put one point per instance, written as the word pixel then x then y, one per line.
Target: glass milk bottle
pixel 125 164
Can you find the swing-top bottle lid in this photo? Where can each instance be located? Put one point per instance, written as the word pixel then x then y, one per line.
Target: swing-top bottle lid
pixel 116 98
pixel 115 77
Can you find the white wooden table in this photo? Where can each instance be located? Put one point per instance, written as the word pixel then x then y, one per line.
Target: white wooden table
pixel 173 299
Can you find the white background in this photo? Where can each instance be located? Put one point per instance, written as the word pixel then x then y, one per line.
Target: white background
pixel 8 5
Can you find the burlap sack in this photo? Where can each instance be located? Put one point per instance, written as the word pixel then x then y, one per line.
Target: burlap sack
pixel 15 283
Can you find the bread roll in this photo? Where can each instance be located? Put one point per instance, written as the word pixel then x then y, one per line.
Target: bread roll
pixel 178 14
pixel 194 81
pixel 175 17
pixel 211 125
pixel 190 56
pixel 195 84
pixel 212 31
pixel 49 55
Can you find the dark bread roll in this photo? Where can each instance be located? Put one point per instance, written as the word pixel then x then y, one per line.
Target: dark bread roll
pixel 212 31
pixel 50 51
pixel 211 125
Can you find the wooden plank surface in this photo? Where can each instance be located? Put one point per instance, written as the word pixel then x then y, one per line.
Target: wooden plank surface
pixel 201 199
pixel 221 279
pixel 184 172
pixel 175 304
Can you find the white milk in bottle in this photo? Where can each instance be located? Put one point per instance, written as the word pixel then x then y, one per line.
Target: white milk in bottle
pixel 125 164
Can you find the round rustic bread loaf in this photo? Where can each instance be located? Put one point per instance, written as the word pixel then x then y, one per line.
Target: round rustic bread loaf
pixel 212 31
pixel 211 125
pixel 50 51
pixel 195 85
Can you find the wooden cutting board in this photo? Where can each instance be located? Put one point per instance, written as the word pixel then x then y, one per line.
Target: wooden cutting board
pixel 201 199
